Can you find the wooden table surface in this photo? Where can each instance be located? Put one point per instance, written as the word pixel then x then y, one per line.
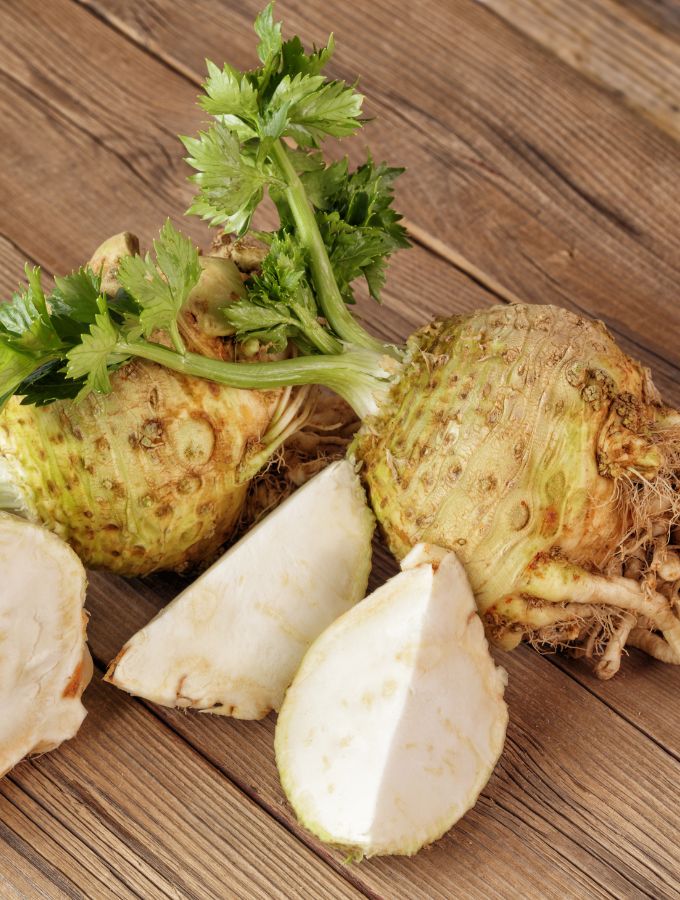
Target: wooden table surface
pixel 541 139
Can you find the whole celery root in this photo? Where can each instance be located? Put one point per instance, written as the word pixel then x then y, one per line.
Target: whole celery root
pixel 153 475
pixel 524 439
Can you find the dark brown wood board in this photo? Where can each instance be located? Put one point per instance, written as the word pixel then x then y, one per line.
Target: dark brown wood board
pixel 613 43
pixel 532 174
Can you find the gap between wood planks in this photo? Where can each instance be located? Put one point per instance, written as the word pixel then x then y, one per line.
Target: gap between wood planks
pixel 583 682
pixel 55 877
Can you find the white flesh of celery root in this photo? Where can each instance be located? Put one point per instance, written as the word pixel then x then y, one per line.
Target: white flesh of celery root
pixel 396 718
pixel 231 642
pixel 44 661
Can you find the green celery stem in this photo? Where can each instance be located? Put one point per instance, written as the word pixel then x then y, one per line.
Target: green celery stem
pixel 343 373
pixel 330 298
pixel 321 339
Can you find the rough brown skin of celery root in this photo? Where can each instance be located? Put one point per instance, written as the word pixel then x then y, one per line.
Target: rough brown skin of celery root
pixel 152 476
pixel 516 435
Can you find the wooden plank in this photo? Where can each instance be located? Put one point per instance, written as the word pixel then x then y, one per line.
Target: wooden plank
pixel 127 809
pixel 45 846
pixel 610 44
pixel 572 773
pixel 644 691
pixel 664 15
pixel 494 826
pixel 23 872
pixel 526 169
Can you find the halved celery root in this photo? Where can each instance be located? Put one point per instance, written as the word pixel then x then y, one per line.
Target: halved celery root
pixel 396 718
pixel 231 642
pixel 44 661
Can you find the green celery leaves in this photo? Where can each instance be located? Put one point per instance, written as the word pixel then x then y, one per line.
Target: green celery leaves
pixel 66 345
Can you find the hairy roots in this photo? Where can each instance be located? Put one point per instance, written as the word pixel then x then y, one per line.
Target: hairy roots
pixel 324 438
pixel 635 601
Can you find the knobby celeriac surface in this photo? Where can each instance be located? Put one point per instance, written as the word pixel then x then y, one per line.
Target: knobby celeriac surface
pixel 544 456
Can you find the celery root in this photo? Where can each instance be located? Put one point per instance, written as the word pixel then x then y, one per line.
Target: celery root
pixel 155 474
pixel 44 661
pixel 526 440
pixel 231 642
pixel 396 718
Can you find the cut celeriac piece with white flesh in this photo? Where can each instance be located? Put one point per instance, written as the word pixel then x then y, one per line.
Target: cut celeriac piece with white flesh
pixel 231 642
pixel 396 718
pixel 44 661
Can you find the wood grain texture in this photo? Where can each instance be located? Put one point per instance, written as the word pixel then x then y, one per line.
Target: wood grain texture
pixel 584 801
pixel 530 172
pixel 128 809
pixel 23 872
pixel 571 772
pixel 612 45
pixel 644 692
pixel 663 15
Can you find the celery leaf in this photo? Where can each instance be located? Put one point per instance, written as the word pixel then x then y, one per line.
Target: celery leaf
pixel 97 351
pixel 229 93
pixel 25 321
pixel 280 305
pixel 161 288
pixel 231 181
pixel 269 33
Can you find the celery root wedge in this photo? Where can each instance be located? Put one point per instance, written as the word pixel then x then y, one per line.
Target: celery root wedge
pixel 44 661
pixel 231 642
pixel 396 718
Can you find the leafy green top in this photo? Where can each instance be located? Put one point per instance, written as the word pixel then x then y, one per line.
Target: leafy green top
pixel 336 225
pixel 65 345
pixel 286 97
